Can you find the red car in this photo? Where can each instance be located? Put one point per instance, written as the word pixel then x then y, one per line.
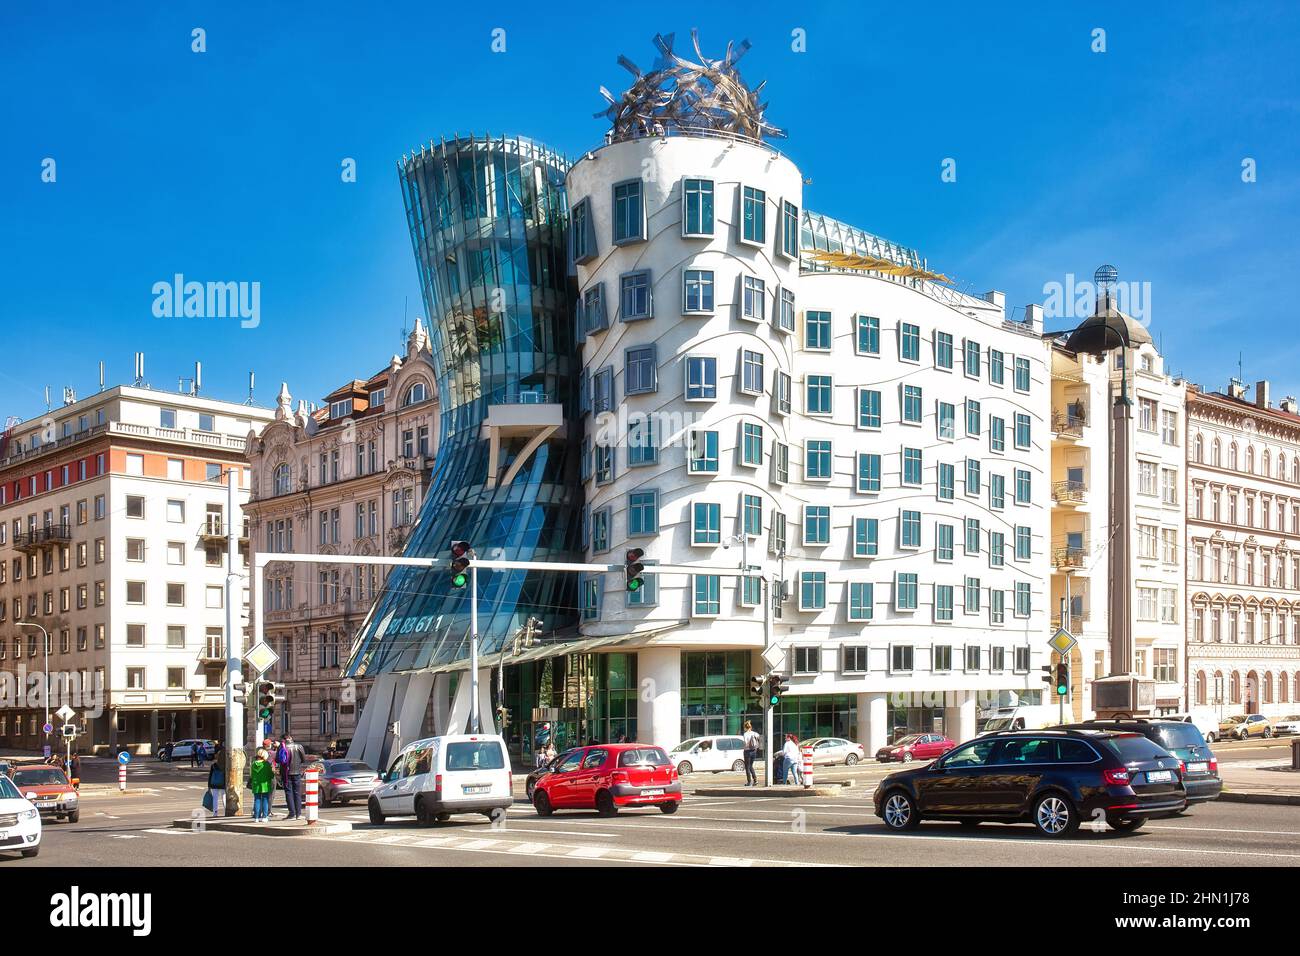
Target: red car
pixel 50 790
pixel 916 747
pixel 605 777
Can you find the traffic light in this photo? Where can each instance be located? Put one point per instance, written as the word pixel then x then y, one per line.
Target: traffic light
pixel 461 553
pixel 269 694
pixel 1062 679
pixel 503 716
pixel 777 684
pixel 756 687
pixel 1048 679
pixel 238 691
pixel 633 568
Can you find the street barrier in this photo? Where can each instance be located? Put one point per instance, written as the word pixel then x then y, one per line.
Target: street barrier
pixel 121 777
pixel 312 802
pixel 807 767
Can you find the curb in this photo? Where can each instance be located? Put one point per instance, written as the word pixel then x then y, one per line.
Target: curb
pixel 1275 799
pixel 792 792
pixel 244 825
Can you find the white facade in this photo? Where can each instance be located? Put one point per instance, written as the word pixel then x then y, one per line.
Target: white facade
pixel 882 442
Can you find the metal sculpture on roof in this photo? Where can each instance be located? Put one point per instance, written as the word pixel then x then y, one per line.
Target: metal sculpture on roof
pixel 680 96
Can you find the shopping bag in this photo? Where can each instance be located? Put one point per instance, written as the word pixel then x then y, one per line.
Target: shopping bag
pixel 207 801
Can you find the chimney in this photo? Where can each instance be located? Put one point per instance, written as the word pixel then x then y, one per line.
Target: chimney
pixel 1034 317
pixel 1235 388
pixel 1289 405
pixel 1261 394
pixel 999 300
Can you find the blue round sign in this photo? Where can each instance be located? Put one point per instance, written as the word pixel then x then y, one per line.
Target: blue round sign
pixel 124 758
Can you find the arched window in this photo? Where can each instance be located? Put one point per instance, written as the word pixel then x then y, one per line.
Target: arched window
pixel 1215 453
pixel 1232 456
pixel 1234 692
pixel 281 480
pixel 1200 689
pixel 1266 686
pixel 1198 448
pixel 1281 466
pixel 1250 459
pixel 415 394
pixel 1283 688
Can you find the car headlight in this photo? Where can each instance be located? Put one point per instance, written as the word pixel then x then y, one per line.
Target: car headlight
pixel 70 797
pixel 29 814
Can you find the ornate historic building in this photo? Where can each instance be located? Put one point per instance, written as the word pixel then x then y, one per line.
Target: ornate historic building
pixel 346 478
pixel 1243 551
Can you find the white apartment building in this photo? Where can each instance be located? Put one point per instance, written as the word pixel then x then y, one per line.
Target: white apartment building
pixel 347 478
pixel 113 540
pixel 1243 551
pixel 880 438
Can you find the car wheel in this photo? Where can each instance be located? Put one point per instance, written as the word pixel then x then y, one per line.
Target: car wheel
pixel 1212 738
pixel 669 807
pixel 684 768
pixel 1055 816
pixel 542 804
pixel 421 815
pixel 324 800
pixel 738 766
pixel 443 817
pixel 28 854
pixel 1242 734
pixel 900 811
pixel 528 792
pixel 376 815
pixel 1126 825
pixel 605 804
pixel 907 757
pixel 1268 732
pixel 850 760
pixel 74 816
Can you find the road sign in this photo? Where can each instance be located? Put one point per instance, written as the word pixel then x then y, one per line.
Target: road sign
pixel 774 656
pixel 1062 642
pixel 124 758
pixel 47 751
pixel 262 657
pixel 48 729
pixel 66 713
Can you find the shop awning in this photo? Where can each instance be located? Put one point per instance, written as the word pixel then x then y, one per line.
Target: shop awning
pixel 864 263
pixel 556 649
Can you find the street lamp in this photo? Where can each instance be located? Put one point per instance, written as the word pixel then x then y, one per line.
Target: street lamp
pixel 46 635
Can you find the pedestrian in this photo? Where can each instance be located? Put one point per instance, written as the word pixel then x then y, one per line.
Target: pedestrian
pixel 197 755
pixel 261 780
pixel 539 758
pixel 793 759
pixel 751 752
pixel 281 763
pixel 295 759
pixel 217 782
pixel 74 772
pixel 550 751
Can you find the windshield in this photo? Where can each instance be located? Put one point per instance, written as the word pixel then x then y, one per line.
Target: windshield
pixel 8 791
pixel 998 723
pixel 40 777
pixel 910 739
pixel 1175 735
pixel 686 745
pixel 344 766
pixel 643 757
pixel 475 755
pixel 1132 748
pixel 1235 719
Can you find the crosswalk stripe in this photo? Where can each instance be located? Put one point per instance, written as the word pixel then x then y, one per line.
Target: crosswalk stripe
pixel 651 856
pixel 592 852
pixel 526 848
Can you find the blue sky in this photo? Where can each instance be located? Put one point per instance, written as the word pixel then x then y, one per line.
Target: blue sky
pixel 225 165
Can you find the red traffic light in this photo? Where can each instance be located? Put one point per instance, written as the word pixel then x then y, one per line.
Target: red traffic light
pixel 460 548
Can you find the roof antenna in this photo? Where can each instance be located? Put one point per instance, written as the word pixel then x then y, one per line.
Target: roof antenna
pixel 101 375
pixel 251 382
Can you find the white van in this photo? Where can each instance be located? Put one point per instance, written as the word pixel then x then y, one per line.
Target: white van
pixel 1021 717
pixel 433 778
pixel 714 754
pixel 1205 720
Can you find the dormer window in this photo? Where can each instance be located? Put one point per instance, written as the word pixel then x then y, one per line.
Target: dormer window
pixel 377 397
pixel 415 394
pixel 341 408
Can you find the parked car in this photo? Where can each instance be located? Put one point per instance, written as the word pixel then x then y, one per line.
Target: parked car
pixel 1180 738
pixel 1244 726
pixel 608 777
pixel 1055 779
pixel 916 747
pixel 714 754
pixel 1287 725
pixel 530 783
pixel 20 821
pixel 828 751
pixel 1207 723
pixel 435 777
pixel 337 749
pixel 50 790
pixel 183 749
pixel 343 781
pixel 1018 717
pixel 6 769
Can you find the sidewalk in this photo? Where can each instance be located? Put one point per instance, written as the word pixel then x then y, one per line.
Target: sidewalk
pixel 295 828
pixel 1271 782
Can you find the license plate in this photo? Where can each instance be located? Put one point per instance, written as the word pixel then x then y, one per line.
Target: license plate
pixel 652 793
pixel 1199 767
pixel 46 804
pixel 481 788
pixel 1160 776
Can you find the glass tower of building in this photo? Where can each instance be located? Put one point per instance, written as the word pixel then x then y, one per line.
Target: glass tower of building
pixel 487 218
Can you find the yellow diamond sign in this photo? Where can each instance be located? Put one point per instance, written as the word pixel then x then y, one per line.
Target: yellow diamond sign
pixel 1062 642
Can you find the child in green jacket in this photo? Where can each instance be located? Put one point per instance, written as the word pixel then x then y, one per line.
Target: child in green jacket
pixel 260 777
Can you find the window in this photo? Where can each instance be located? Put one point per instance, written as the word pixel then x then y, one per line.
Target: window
pixel 1022 599
pixel 946 418
pixel 753 215
pixel 909 342
pixel 971 358
pixel 853 660
pixel 909 529
pixel 971 657
pixel 629 213
pixel 753 300
pixel 634 297
pixel 912 466
pixel 648 594
pixel 997 434
pixel 900 658
pixel 807 660
pixel 704 452
pixel 780 463
pixel 604 464
pixel 786 311
pixel 972 417
pixel 943 350
pixel 818 394
pixel 751 372
pixel 591 588
pixel 944 542
pixel 812 596
pixel 593 316
pixel 1146 414
pixel 697 207
pixel 1023 543
pixel 206 422
pixel 1022 375
pixel 175 595
pixel 135 635
pixel 701 378
pixel 415 394
pixel 904 591
pixel 1169 428
pixel 868 338
pixel 708 595
pixel 641 447
pixel 134 592
pixel 751 444
pixel 997 492
pixel 971 595
pixel 865 537
pixel 973 482
pixel 868 473
pixel 1022 486
pixel 943 602
pixel 135 549
pixel 706 523
pixel 751 514
pixel 817 331
pixel 946 482
pixel 167 417
pixel 861 608
pixel 134 506
pixel 642 513
pixel 818 460
pixel 971 539
pixel 941 657
pixel 1022 431
pixel 816 524
pixel 997 366
pixel 697 291
pixel 639 370
pixel 868 408
pixel 789 230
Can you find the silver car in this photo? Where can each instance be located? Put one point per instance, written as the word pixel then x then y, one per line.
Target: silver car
pixel 1287 725
pixel 833 750
pixel 342 781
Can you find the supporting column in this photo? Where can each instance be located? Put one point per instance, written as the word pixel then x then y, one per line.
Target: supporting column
pixel 952 713
pixel 460 709
pixel 374 723
pixel 966 716
pixel 659 698
pixel 874 709
pixel 440 702
pixel 413 704
pixel 194 722
pixel 153 731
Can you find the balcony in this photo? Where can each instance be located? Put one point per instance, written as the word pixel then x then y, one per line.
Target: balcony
pixel 1069 424
pixel 1064 559
pixel 214 529
pixel 213 652
pixel 38 538
pixel 1070 492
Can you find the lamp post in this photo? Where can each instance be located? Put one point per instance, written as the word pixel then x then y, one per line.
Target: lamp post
pixel 46 635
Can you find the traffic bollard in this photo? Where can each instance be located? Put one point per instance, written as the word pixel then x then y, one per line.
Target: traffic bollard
pixel 311 780
pixel 121 777
pixel 807 767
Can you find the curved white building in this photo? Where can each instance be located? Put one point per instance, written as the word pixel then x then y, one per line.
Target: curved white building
pixel 880 438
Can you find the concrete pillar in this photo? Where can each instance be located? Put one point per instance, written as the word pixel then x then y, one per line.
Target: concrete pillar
pixel 413 704
pixel 458 721
pixel 659 698
pixel 440 703
pixel 966 717
pixel 368 745
pixel 873 710
pixel 112 728
pixel 194 722
pixel 153 731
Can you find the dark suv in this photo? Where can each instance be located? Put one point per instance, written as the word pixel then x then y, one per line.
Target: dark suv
pixel 1183 740
pixel 1055 779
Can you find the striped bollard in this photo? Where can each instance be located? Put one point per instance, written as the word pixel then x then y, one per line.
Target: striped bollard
pixel 807 767
pixel 311 779
pixel 121 777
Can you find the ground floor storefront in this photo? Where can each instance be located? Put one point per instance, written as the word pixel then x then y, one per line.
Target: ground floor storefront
pixel 138 730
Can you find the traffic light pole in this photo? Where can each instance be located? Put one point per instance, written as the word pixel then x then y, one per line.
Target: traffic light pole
pixel 768 711
pixel 473 650
pixel 234 640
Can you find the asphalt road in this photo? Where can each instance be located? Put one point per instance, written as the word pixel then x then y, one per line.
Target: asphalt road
pixel 134 830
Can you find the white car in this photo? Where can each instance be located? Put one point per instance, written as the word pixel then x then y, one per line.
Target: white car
pixel 20 821
pixel 435 777
pixel 184 749
pixel 712 754
pixel 1287 725
pixel 828 751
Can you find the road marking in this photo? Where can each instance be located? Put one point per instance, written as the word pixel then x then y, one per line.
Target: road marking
pixel 1225 830
pixel 650 856
pixel 588 851
pixel 528 848
pixel 125 836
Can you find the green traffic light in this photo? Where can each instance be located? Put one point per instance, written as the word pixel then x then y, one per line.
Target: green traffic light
pixel 774 700
pixel 266 713
pixel 459 580
pixel 1061 690
pixel 634 584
